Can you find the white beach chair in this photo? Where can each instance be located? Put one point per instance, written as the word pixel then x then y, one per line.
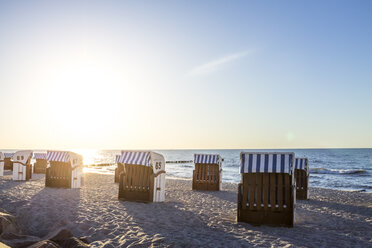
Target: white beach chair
pixel 1 164
pixel 22 168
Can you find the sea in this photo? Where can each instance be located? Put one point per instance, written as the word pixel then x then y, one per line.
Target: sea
pixel 342 169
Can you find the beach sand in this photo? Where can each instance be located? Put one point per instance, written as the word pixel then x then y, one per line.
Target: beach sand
pixel 186 219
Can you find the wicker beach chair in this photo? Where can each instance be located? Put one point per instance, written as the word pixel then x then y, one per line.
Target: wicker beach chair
pixel 1 164
pixel 143 178
pixel 41 163
pixel 208 172
pixel 301 173
pixel 8 163
pixel 119 169
pixel 22 167
pixel 266 194
pixel 64 169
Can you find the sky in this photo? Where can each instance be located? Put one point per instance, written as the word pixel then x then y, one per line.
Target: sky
pixel 185 74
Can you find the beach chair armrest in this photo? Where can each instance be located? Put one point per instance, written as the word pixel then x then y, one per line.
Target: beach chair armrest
pixel 158 173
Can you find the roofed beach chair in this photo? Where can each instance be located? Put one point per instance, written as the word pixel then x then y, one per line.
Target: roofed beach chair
pixel 266 194
pixel 22 167
pixel 119 169
pixel 208 172
pixel 143 178
pixel 301 173
pixel 8 164
pixel 41 163
pixel 1 164
pixel 64 169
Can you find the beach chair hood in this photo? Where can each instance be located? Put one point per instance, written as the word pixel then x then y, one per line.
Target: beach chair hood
pixel 72 158
pixel 22 156
pixel 302 164
pixel 8 154
pixel 207 159
pixel 267 162
pixel 146 158
pixel 40 155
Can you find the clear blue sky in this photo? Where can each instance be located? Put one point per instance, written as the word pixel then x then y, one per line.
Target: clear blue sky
pixel 185 74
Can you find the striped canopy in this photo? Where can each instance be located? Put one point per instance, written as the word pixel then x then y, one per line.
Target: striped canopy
pixel 58 156
pixel 135 157
pixel 117 158
pixel 302 164
pixel 40 155
pixel 275 162
pixel 207 159
pixel 8 154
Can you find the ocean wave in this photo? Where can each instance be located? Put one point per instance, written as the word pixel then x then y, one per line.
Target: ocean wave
pixel 336 171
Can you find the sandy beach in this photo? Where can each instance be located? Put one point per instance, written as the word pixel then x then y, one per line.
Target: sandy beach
pixel 187 218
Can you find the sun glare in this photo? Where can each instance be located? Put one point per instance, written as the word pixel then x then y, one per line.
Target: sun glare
pixel 88 155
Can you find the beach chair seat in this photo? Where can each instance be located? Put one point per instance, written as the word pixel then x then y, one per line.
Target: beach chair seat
pixel 41 163
pixel 64 169
pixel 208 172
pixel 266 194
pixel 301 174
pixel 22 168
pixel 143 177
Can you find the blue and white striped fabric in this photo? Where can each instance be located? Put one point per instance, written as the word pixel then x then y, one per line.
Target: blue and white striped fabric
pixel 301 164
pixel 58 156
pixel 117 158
pixel 207 159
pixel 8 154
pixel 133 157
pixel 266 162
pixel 39 155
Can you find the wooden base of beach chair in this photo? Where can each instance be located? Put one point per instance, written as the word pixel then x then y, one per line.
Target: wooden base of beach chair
pixel 266 199
pixel 206 177
pixel 59 175
pixel 302 182
pixel 40 166
pixel 118 171
pixel 136 183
